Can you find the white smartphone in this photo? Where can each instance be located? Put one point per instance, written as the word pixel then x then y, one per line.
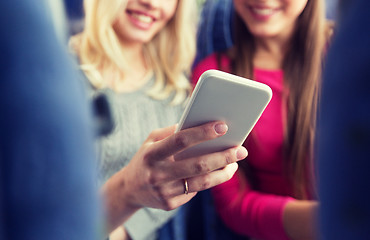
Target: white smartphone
pixel 222 96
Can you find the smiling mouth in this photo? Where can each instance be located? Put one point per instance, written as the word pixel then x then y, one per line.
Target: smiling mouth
pixel 263 12
pixel 141 17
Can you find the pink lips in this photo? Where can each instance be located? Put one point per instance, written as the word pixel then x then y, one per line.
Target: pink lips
pixel 140 19
pixel 262 13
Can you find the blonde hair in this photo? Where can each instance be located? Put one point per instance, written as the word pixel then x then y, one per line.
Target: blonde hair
pixel 302 79
pixel 170 53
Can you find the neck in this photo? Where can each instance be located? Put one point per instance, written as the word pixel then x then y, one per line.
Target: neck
pixel 133 76
pixel 136 71
pixel 134 53
pixel 270 52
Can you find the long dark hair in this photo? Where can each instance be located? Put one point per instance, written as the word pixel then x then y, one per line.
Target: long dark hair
pixel 302 67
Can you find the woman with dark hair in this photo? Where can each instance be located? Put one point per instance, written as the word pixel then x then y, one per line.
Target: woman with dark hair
pixel 280 43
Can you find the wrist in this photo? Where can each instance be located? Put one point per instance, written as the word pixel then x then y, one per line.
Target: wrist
pixel 124 187
pixel 119 202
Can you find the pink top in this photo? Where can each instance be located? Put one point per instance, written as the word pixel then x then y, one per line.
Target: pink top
pixel 257 213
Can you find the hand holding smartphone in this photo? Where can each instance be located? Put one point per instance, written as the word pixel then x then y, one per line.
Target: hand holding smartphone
pixel 237 101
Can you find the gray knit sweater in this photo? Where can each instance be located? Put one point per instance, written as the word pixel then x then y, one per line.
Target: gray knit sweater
pixel 136 115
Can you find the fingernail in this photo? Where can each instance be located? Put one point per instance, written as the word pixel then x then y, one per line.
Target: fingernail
pixel 221 128
pixel 241 153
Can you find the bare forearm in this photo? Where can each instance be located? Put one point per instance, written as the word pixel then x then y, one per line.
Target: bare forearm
pixel 300 219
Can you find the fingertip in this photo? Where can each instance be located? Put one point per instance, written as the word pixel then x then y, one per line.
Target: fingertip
pixel 232 170
pixel 233 167
pixel 236 166
pixel 221 128
pixel 241 153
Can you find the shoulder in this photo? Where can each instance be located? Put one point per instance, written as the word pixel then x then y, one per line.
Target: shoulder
pixel 218 61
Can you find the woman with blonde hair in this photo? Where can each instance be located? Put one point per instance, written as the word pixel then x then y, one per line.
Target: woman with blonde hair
pixel 139 53
pixel 280 43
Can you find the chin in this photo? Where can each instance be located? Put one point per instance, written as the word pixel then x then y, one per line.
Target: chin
pixel 263 33
pixel 142 40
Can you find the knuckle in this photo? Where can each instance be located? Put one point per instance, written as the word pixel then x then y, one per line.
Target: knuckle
pixel 201 166
pixel 154 179
pixel 207 183
pixel 152 156
pixel 229 157
pixel 208 131
pixel 161 193
pixel 148 157
pixel 181 141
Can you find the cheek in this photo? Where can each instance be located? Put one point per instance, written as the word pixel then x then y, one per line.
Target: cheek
pixel 297 7
pixel 238 6
pixel 169 14
pixel 238 2
pixel 242 10
pixel 169 9
pixel 120 20
pixel 117 26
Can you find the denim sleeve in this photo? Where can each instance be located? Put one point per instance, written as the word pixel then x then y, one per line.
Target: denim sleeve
pixel 47 187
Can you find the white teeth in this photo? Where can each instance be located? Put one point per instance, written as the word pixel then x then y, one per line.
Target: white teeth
pixel 142 18
pixel 263 11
